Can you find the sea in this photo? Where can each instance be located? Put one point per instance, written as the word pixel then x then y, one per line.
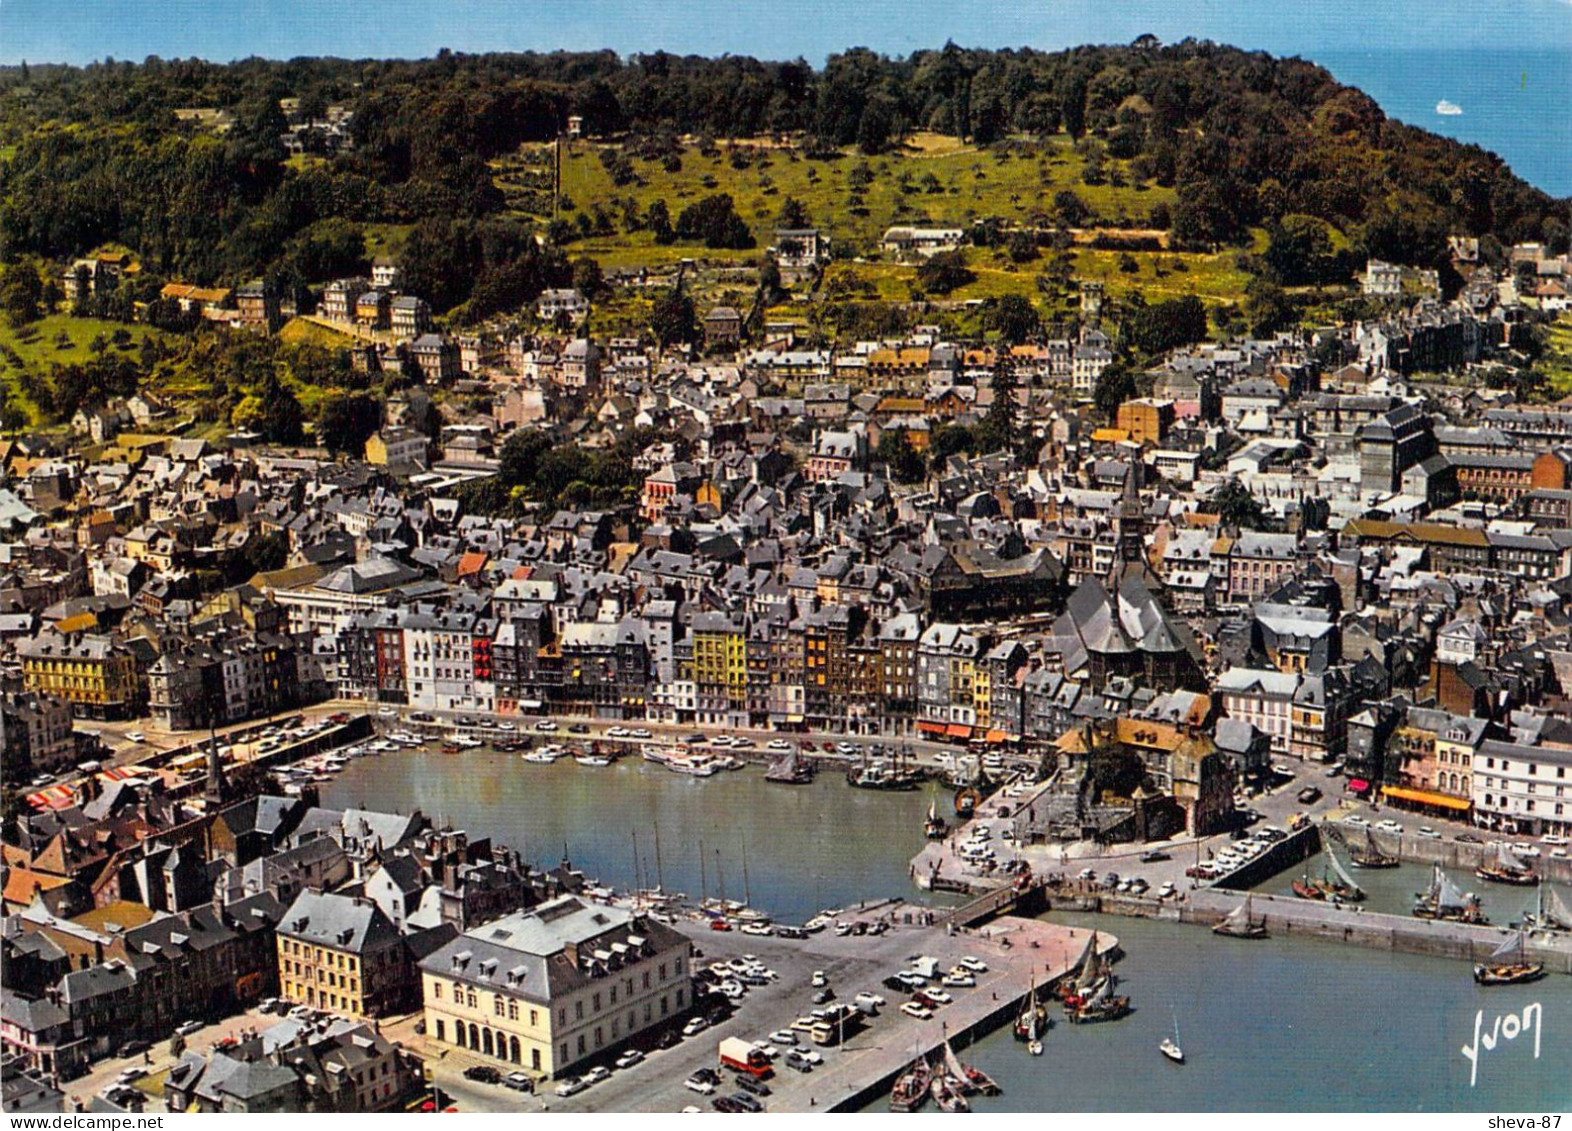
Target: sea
pixel 1516 102
pixel 1284 1024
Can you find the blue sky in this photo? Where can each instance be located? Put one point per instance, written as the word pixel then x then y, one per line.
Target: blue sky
pixel 78 31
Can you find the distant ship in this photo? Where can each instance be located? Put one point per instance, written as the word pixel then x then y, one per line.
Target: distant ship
pixel 1449 109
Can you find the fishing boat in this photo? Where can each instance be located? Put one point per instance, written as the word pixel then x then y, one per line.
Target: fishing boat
pixel 1169 1046
pixel 878 775
pixel 592 759
pixel 970 1079
pixel 465 741
pixel 1327 890
pixel 1103 1005
pixel 1509 965
pixel 1240 924
pixel 1033 1019
pixel 1370 856
pixel 946 1094
pixel 1444 900
pixel 1506 869
pixel 1092 976
pixel 911 1087
pixel 545 756
pixel 1551 912
pixel 935 827
pixel 791 770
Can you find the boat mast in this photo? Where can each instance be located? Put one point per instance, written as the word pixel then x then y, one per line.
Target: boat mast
pixel 703 878
pixel 638 881
pixel 747 892
pixel 720 879
pixel 660 882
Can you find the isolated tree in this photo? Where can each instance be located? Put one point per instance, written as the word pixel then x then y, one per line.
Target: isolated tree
pixel 793 214
pixel 1235 506
pixel 1015 319
pixel 673 320
pixel 1115 386
pixel 895 451
pixel 942 273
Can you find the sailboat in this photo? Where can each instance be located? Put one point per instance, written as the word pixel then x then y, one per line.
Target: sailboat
pixel 1504 970
pixel 1089 974
pixel 968 1078
pixel 1550 911
pixel 912 1086
pixel 1170 1045
pixel 1328 890
pixel 790 770
pixel 1239 924
pixel 1370 856
pixel 1443 899
pixel 1103 1005
pixel 1506 869
pixel 935 827
pixel 1032 1021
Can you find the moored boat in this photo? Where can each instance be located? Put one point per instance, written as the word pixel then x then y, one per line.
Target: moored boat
pixel 1506 869
pixel 1509 965
pixel 935 827
pixel 1239 924
pixel 1445 901
pixel 946 1094
pixel 911 1087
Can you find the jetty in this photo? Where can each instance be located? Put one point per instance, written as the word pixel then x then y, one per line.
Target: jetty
pixel 1019 954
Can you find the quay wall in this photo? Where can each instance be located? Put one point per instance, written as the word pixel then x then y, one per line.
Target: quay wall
pixel 1451 853
pixel 1279 857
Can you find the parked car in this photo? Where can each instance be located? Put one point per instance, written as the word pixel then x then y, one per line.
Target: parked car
pixel 630 1058
pixel 483 1074
pixel 752 1084
pixel 519 1081
pixel 694 1027
pixel 917 1010
pixel 1389 826
pixel 570 1086
pixel 702 1081
pixel 545 726
pixel 744 1102
pixel 1468 838
pixel 726 1104
pixel 597 1074
pixel 974 964
pixel 1427 832
pixel 186 1028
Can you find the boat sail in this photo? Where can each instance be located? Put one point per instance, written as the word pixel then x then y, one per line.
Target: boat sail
pixel 1445 900
pixel 1553 910
pixel 1506 869
pixel 968 1078
pixel 1371 856
pixel 1033 1019
pixel 1354 893
pixel 1239 923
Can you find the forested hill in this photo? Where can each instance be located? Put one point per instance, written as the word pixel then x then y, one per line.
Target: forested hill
pixel 97 155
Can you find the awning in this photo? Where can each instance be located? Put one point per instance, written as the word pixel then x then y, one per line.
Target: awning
pixel 997 736
pixel 1358 785
pixel 794 718
pixel 925 727
pixel 958 730
pixel 1425 797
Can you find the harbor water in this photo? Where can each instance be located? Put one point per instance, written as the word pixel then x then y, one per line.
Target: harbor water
pixel 1286 1025
pixel 807 847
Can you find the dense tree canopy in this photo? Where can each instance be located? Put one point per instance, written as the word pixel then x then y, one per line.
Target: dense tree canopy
pixel 97 155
